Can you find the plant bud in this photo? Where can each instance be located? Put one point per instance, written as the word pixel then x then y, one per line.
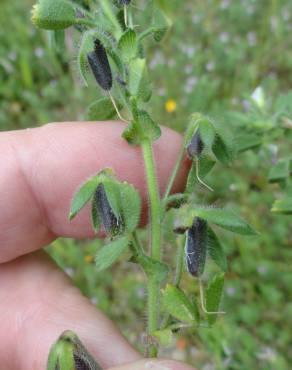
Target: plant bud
pixel 53 14
pixel 196 247
pixel 112 224
pixel 196 145
pixel 100 66
pixel 68 353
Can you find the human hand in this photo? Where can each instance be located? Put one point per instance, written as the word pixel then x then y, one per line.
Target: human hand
pixel 40 170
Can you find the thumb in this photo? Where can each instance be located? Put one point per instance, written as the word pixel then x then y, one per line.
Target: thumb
pixel 150 364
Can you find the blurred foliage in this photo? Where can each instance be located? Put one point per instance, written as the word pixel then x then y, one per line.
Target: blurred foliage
pixel 213 59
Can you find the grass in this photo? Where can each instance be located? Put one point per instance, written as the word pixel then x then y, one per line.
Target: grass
pixel 215 56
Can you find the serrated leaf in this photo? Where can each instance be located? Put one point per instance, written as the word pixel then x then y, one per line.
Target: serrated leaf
pixel 128 45
pixel 102 109
pixel 283 206
pixel 164 337
pixel 83 195
pixel 280 171
pixel 130 206
pixel 151 267
pixel 221 150
pixel 213 296
pixel 225 219
pixel 215 250
pixel 176 303
pixel 108 254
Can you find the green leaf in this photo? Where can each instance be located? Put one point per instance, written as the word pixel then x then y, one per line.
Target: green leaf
pixel 164 337
pixel 213 296
pixel 137 69
pixel 83 195
pixel 102 109
pixel 149 128
pixel 247 142
pixel 215 250
pixel 206 164
pixel 108 254
pixel 221 150
pixel 130 206
pixel 95 219
pixel 283 206
pixel 160 24
pixel 144 128
pixel 280 171
pixel 225 219
pixel 151 267
pixel 176 303
pixel 112 190
pixel 128 45
pixel 207 132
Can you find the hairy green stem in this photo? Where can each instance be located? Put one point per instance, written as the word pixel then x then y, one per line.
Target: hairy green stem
pixel 85 22
pixel 155 246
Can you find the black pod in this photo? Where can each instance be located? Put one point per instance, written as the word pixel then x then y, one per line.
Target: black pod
pixel 196 145
pixel 100 67
pixel 196 247
pixel 113 225
pixel 124 2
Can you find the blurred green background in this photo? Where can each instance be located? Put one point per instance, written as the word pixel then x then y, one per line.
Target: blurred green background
pixel 216 55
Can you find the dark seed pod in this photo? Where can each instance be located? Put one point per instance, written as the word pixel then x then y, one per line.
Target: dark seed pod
pixel 81 363
pixel 111 223
pixel 196 145
pixel 99 64
pixel 124 2
pixel 196 247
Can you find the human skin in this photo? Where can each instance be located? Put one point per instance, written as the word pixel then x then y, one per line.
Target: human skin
pixel 40 170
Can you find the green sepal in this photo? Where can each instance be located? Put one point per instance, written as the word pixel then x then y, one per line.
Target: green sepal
pixel 224 218
pixel 142 128
pixel 109 253
pixel 213 296
pixel 128 45
pixel 177 304
pixel 68 353
pixel 221 149
pixel 206 164
pixel 151 267
pixel 130 206
pixel 83 195
pixel 215 250
pixel 53 15
pixel 138 81
pixel 102 110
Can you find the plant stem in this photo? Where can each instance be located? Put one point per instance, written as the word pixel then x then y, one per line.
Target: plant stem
pixel 174 173
pixel 155 240
pixel 85 22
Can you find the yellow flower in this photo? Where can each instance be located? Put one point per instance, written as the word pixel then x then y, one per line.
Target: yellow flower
pixel 170 106
pixel 88 258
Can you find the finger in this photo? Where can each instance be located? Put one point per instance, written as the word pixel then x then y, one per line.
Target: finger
pixel 154 365
pixel 38 303
pixel 41 169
